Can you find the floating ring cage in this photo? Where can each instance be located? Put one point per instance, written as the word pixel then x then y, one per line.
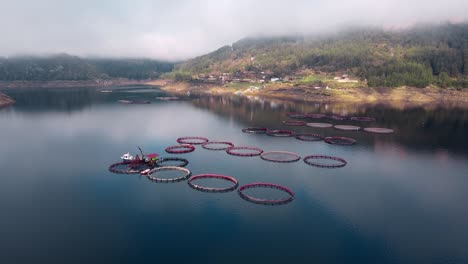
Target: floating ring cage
pixel 252 199
pixel 152 178
pixel 280 156
pixel 129 167
pixel 363 118
pixel 280 133
pixel 379 130
pixel 296 115
pixel 347 128
pixel 180 149
pixel 217 145
pixel 192 140
pixel 314 160
pixel 163 162
pixel 309 137
pixel 338 118
pixel 319 125
pixel 255 130
pixel 294 123
pixel 244 151
pixel 213 189
pixel 344 141
pixel 315 116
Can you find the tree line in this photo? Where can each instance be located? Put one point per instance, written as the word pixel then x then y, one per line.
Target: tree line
pixel 66 67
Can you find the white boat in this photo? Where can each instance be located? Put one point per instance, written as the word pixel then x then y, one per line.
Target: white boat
pixel 127 157
pixel 145 172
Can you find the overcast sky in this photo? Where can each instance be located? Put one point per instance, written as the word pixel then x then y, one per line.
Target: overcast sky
pixel 180 29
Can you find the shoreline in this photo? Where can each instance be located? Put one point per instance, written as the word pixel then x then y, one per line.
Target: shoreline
pixel 71 84
pixel 399 97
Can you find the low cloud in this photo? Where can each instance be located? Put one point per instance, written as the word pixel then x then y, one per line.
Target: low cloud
pixel 187 28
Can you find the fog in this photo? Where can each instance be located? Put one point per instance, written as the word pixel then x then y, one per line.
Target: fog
pixel 182 29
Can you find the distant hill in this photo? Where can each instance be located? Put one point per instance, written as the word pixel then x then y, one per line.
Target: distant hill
pixel 419 56
pixel 67 67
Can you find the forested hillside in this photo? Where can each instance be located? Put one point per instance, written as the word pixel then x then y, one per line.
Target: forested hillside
pixel 419 56
pixel 66 67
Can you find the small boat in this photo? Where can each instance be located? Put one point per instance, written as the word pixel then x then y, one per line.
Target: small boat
pixel 124 101
pixel 145 172
pixel 106 91
pixel 127 157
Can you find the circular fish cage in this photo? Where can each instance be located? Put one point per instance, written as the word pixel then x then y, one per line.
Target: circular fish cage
pixel 180 149
pixel 314 160
pixel 315 116
pixel 255 130
pixel 363 118
pixel 129 167
pixel 319 125
pixel 344 141
pixel 296 115
pixel 280 156
pixel 379 130
pixel 280 133
pixel 256 200
pixel 244 151
pixel 338 118
pixel 213 189
pixel 347 128
pixel 163 162
pixel 185 176
pixel 294 123
pixel 309 137
pixel 217 145
pixel 192 140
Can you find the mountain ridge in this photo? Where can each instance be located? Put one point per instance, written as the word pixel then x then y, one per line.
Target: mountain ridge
pixel 419 56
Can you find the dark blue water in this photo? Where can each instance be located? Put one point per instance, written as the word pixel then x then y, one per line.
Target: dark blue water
pixel 401 198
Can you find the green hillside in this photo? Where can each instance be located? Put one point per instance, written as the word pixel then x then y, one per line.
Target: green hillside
pixel 66 67
pixel 419 56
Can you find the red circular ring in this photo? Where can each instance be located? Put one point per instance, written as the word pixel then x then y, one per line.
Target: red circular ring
pixel 302 137
pixel 280 133
pixel 291 154
pixel 332 141
pixel 266 201
pixel 294 123
pixel 180 149
pixel 186 140
pixel 255 130
pixel 231 151
pixel 229 144
pixel 320 165
pixel 212 176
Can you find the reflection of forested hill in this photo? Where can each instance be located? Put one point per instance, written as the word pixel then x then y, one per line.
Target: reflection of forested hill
pixel 415 127
pixel 36 100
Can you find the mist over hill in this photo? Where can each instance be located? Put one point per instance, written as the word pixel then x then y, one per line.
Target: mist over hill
pixel 417 56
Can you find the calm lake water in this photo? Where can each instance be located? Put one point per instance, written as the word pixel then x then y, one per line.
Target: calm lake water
pixel 401 198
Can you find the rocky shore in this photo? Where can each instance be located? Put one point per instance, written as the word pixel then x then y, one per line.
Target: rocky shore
pixel 398 97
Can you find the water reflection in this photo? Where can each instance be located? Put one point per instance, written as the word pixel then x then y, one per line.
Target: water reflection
pixel 419 128
pixel 400 198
